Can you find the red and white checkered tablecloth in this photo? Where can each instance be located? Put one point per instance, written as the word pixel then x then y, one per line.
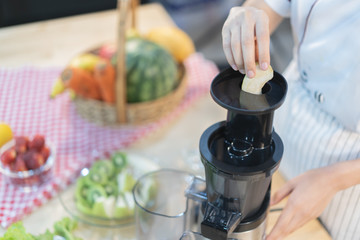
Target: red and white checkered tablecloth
pixel 25 105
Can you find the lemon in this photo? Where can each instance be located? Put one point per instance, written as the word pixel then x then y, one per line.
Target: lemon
pixel 5 133
pixel 173 39
pixel 255 85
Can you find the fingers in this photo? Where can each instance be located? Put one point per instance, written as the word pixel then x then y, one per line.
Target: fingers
pixel 279 230
pixel 291 218
pixel 226 36
pixel 263 41
pixel 281 193
pixel 233 52
pixel 282 226
pixel 236 49
pixel 243 27
pixel 248 47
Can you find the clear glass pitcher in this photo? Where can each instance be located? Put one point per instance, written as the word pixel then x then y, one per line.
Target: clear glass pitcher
pixel 168 205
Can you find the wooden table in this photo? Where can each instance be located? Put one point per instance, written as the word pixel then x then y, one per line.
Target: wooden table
pixel 54 42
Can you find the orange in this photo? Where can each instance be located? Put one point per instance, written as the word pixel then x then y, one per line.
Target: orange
pixel 173 39
pixel 5 133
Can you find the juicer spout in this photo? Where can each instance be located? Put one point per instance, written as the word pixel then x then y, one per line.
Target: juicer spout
pixel 219 223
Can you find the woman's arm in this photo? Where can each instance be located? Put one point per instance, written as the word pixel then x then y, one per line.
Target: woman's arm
pixel 246 36
pixel 310 193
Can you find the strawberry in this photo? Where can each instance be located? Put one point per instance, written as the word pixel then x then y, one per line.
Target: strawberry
pixel 45 151
pixel 21 144
pixel 33 159
pixel 8 156
pixel 20 165
pixel 37 143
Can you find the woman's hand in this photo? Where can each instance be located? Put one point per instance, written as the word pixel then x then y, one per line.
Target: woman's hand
pixel 246 36
pixel 246 39
pixel 309 194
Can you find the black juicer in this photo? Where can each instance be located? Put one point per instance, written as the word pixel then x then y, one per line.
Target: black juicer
pixel 240 156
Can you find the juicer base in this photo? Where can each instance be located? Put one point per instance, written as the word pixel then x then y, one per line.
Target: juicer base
pixel 257 233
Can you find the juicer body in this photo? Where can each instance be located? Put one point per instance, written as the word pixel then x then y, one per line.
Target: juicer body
pixel 240 156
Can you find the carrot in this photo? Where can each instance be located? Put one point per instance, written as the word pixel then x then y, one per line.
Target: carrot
pixel 104 74
pixel 82 82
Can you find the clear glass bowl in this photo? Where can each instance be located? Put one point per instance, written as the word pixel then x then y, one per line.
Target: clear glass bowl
pixel 32 179
pixel 68 201
pixel 140 165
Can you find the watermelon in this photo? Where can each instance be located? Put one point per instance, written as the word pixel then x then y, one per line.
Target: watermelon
pixel 151 71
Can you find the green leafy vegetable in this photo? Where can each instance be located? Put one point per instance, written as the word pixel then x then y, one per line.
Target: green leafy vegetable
pixel 62 228
pixel 65 227
pixel 17 231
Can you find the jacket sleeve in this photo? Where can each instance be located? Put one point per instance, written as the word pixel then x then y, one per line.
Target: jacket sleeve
pixel 281 7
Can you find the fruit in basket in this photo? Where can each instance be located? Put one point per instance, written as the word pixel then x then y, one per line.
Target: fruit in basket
pixel 151 72
pixel 82 82
pixel 57 88
pixel 86 61
pixel 5 133
pixel 104 74
pixel 132 33
pixel 107 50
pixel 175 40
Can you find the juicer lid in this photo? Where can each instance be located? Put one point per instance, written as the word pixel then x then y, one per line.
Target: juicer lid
pixel 226 91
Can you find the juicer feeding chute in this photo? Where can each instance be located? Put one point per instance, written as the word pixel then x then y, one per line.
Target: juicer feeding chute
pixel 240 155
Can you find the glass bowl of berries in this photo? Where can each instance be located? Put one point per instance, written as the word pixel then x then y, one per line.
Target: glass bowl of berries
pixel 27 163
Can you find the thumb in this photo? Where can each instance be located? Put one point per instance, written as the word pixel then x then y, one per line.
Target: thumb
pixel 283 192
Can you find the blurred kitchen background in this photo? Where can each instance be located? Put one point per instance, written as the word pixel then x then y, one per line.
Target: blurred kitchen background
pixel 201 19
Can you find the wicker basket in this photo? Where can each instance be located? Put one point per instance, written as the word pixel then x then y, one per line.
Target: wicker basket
pixel 129 113
pixel 136 113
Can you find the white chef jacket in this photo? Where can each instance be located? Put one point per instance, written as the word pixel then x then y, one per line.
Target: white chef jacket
pixel 319 120
pixel 327 47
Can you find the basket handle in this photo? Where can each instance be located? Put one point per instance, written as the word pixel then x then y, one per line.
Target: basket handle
pixel 120 86
pixel 134 6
